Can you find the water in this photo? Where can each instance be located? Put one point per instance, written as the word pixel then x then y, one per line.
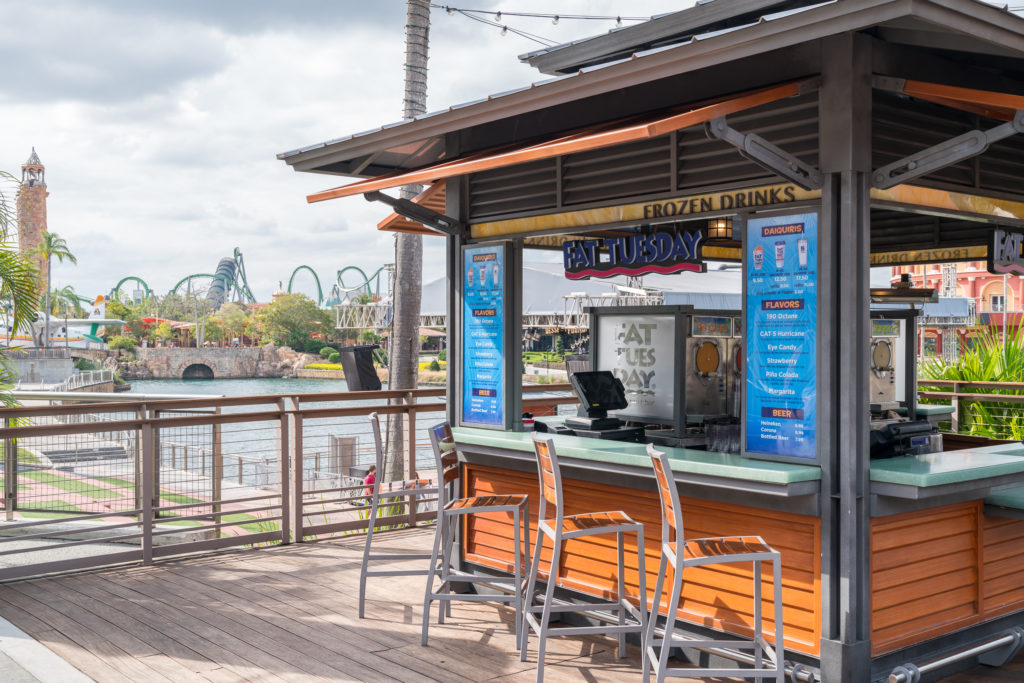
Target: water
pixel 238 387
pixel 250 449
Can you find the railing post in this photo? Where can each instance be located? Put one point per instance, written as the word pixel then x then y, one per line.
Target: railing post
pixel 218 468
pixel 141 414
pixel 297 483
pixel 10 473
pixel 955 417
pixel 410 411
pixel 287 522
pixel 155 478
pixel 149 464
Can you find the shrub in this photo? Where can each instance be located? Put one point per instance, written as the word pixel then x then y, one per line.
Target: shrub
pixel 324 366
pixel 434 366
pixel 85 364
pixel 326 352
pixel 333 357
pixel 123 341
pixel 442 354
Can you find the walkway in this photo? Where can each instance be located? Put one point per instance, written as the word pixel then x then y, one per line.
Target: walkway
pixel 289 614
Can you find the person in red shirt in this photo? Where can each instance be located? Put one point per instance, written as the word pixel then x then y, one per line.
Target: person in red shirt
pixel 371 477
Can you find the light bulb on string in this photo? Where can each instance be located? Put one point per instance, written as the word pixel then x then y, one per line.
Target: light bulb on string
pixel 504 30
pixel 618 22
pixel 497 17
pixel 450 10
pixel 555 20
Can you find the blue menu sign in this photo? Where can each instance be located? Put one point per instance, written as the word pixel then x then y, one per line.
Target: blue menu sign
pixel 483 332
pixel 781 257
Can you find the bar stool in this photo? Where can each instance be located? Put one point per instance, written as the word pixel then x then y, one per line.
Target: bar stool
pixel 562 528
pixel 376 496
pixel 682 553
pixel 450 511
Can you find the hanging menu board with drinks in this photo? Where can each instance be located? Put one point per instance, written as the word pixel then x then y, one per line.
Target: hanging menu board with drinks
pixel 781 313
pixel 483 333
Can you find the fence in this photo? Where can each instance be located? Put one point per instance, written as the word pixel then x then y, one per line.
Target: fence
pixel 989 409
pixel 85 378
pixel 87 484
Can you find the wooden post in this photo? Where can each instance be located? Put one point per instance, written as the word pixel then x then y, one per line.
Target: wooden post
pixel 284 453
pixel 11 473
pixel 218 465
pixel 149 495
pixel 955 401
pixel 410 411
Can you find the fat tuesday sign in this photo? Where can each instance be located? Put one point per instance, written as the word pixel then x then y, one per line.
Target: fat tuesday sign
pixel 1007 254
pixel 656 252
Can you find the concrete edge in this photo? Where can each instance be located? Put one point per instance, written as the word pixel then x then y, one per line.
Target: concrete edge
pixel 35 658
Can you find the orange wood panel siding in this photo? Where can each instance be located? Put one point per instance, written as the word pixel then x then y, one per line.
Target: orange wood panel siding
pixel 712 596
pixel 1003 567
pixel 935 571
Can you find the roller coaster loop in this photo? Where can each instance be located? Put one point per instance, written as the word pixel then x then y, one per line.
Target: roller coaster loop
pixel 117 288
pixel 319 289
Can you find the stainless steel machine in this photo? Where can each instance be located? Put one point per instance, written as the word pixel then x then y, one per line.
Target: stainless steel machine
pixel 886 335
pixel 713 364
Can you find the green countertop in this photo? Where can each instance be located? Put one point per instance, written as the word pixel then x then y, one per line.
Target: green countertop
pixel 951 467
pixel 634 454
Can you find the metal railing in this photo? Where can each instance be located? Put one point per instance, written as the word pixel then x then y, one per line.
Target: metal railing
pixel 86 378
pixel 989 409
pixel 87 484
pixel 35 353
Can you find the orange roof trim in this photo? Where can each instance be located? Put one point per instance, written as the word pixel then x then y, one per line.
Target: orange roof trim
pixel 432 198
pixel 588 139
pixel 995 105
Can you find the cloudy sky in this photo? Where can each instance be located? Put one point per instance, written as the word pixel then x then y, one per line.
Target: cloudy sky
pixel 158 122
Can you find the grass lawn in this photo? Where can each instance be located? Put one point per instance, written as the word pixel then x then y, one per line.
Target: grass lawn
pixel 70 485
pixel 255 527
pixel 179 499
pixel 66 509
pixel 115 481
pixel 27 457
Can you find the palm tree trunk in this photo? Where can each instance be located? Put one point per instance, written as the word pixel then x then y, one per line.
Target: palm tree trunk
pixel 46 326
pixel 403 367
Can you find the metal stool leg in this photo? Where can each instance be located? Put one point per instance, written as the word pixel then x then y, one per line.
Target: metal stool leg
pixel 430 580
pixel 758 629
pixel 530 588
pixel 780 647
pixel 366 555
pixel 621 588
pixel 652 618
pixel 670 621
pixel 549 599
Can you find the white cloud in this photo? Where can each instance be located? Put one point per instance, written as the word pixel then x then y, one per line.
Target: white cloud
pixel 159 123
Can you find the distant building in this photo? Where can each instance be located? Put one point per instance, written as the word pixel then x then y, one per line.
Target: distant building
pixel 32 208
pixel 992 298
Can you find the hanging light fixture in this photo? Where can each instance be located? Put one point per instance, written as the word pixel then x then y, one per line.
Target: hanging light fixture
pixel 504 30
pixel 720 228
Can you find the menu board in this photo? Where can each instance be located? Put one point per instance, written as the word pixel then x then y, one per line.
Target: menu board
pixel 483 333
pixel 641 351
pixel 781 265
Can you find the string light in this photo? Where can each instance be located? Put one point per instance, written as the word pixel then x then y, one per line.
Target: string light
pixel 475 15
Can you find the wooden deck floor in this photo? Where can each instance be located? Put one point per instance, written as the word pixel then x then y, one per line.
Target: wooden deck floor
pixel 290 614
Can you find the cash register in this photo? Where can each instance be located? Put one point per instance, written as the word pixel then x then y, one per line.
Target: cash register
pixel 600 391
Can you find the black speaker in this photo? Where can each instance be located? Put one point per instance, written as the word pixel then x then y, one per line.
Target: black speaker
pixel 357 362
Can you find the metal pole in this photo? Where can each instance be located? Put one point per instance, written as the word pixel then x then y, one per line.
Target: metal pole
pixel 410 411
pixel 10 473
pixel 1006 308
pixel 148 490
pixel 218 466
pixel 285 457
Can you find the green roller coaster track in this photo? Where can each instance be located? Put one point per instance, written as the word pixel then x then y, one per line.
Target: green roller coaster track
pixel 117 288
pixel 319 289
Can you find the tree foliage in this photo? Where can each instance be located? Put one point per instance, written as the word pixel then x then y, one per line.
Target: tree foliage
pixel 52 245
pixel 292 321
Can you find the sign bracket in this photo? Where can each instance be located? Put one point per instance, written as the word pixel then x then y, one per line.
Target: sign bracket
pixel 946 153
pixel 765 154
pixel 421 214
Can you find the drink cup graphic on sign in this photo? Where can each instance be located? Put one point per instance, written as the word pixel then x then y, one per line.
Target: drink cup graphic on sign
pixel 496 273
pixel 780 254
pixel 469 277
pixel 801 251
pixel 758 258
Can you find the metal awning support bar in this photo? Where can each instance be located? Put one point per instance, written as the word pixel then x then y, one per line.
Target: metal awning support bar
pixel 765 154
pixel 418 213
pixel 945 153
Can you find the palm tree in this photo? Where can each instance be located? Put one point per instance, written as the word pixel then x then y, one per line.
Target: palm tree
pixel 65 300
pixel 51 245
pixel 17 278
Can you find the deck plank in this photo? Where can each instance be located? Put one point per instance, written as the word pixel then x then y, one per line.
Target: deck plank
pixel 289 613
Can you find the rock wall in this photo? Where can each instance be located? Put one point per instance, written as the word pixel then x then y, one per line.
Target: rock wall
pixel 231 363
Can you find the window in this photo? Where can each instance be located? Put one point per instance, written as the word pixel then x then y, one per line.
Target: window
pixel 998 302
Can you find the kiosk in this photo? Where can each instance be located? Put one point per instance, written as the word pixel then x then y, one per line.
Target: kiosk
pixel 830 137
